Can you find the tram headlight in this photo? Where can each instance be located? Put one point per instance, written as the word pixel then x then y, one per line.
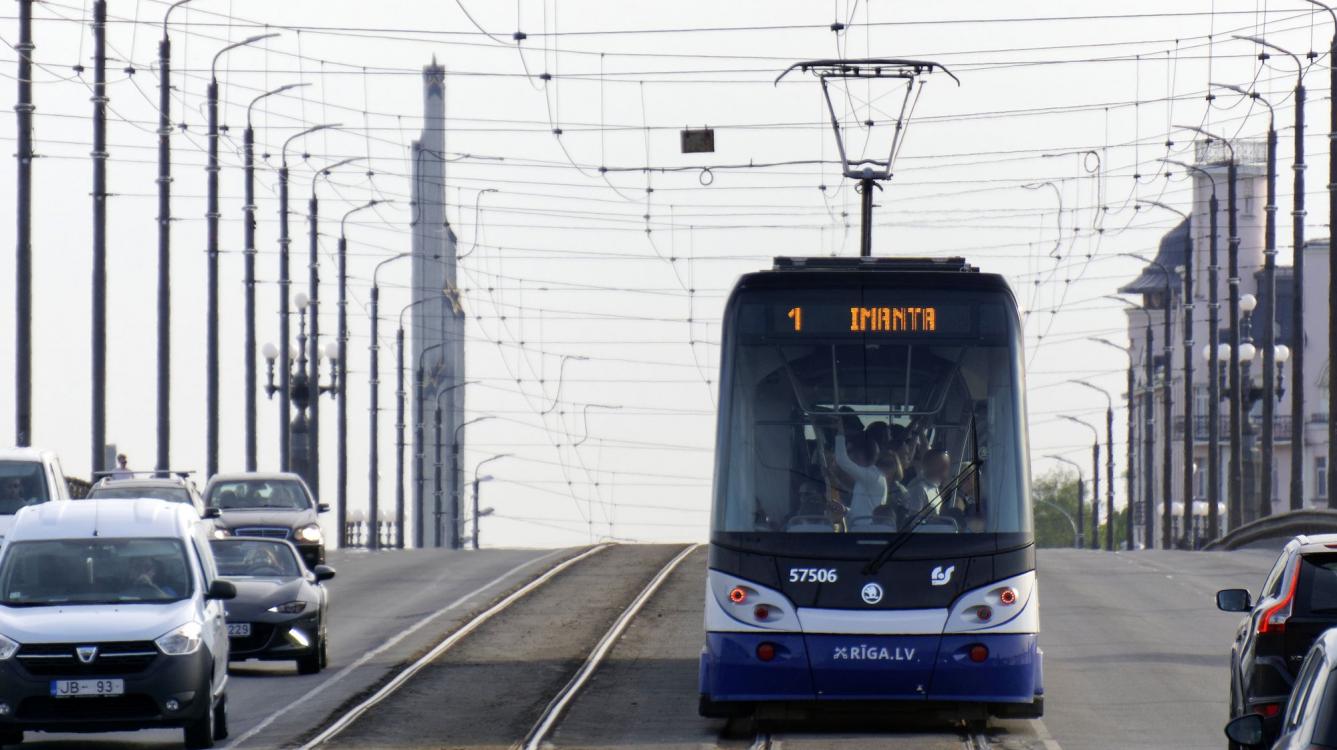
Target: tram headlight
pixel 738 595
pixel 1008 596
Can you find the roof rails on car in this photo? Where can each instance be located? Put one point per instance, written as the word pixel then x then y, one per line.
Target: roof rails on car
pixel 114 474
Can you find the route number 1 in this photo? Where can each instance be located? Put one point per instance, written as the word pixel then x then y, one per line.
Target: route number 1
pixel 796 315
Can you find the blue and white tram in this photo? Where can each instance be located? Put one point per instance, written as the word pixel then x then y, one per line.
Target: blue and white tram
pixel 871 534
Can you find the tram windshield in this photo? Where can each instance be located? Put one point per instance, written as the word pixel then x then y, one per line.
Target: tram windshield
pixel 873 411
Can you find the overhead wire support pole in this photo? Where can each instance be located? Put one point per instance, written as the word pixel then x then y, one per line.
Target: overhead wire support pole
pixel 99 154
pixel 1332 267
pixel 285 345
pixel 374 414
pixel 1297 265
pixel 1095 479
pixel 400 396
pixel 313 293
pixel 341 411
pixel 248 228
pixel 1148 523
pixel 869 171
pixel 1189 427
pixel 1080 488
pixel 1212 355
pixel 23 251
pixel 211 216
pixel 164 406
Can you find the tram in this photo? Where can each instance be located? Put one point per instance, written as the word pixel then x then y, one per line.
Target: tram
pixel 871 535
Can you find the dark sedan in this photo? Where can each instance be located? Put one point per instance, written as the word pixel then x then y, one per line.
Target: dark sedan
pixel 279 613
pixel 273 506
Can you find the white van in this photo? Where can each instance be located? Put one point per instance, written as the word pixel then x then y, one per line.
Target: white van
pixel 112 619
pixel 28 476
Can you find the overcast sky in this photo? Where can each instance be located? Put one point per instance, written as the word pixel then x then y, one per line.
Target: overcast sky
pixel 560 261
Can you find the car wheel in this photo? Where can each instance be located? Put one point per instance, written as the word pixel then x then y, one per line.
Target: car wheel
pixel 220 719
pixel 315 661
pixel 200 732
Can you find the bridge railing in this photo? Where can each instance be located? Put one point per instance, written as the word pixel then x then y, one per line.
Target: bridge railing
pixel 1278 527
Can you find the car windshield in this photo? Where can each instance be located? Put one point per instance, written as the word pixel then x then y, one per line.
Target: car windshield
pixel 94 571
pixel 253 558
pixel 171 494
pixel 247 494
pixel 878 418
pixel 21 484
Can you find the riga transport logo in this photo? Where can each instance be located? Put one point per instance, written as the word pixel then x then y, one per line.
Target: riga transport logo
pixel 872 593
pixel 940 577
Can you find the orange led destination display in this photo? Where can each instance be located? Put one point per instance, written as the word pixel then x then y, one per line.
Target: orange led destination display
pixel 904 319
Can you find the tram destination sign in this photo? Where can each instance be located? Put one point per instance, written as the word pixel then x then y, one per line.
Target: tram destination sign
pixel 876 319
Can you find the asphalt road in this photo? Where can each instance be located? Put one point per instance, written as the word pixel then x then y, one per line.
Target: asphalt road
pixel 1135 657
pixel 376 597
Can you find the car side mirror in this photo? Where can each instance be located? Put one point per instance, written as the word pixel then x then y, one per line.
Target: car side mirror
pixel 1246 730
pixel 323 508
pixel 323 572
pixel 213 512
pixel 221 589
pixel 1233 600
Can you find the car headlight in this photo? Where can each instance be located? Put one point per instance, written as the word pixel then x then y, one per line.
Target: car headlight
pixel 221 533
pixel 184 640
pixel 7 648
pixel 290 608
pixel 309 533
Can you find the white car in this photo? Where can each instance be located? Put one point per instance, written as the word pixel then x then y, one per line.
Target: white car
pixel 112 618
pixel 28 476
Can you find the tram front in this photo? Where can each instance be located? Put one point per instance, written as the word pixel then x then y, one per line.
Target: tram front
pixel 871 534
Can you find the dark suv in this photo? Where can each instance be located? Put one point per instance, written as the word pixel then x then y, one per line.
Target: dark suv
pixel 273 506
pixel 1298 601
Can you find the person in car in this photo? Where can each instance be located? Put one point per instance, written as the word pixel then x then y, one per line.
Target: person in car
pixel 145 578
pixel 936 467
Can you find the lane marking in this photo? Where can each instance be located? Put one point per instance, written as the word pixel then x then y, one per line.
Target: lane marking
pixel 391 643
pixel 763 742
pixel 1042 732
pixel 596 657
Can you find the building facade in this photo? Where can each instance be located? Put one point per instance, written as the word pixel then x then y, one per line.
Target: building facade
pixel 1151 362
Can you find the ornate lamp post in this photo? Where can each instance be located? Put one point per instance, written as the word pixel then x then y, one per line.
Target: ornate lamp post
pixel 304 388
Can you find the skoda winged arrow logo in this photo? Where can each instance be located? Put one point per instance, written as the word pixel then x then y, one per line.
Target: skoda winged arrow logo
pixel 86 653
pixel 871 593
pixel 940 577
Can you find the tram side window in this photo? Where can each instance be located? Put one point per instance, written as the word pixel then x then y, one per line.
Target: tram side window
pixel 857 438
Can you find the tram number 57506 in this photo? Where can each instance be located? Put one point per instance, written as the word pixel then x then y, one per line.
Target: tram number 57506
pixel 812 575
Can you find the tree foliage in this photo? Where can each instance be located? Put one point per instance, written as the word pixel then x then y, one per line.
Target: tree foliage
pixel 1058 487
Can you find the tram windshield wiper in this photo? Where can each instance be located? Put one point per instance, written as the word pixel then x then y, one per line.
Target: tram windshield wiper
pixel 922 515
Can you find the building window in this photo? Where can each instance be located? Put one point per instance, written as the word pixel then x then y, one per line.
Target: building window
pixel 1321 476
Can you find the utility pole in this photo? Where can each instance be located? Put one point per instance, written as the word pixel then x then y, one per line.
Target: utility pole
pixel 1269 295
pixel 400 397
pixel 1189 427
pixel 23 252
pixel 1297 262
pixel 99 358
pixel 341 412
pixel 164 459
pixel 1095 478
pixel 285 242
pixel 1148 438
pixel 248 226
pixel 374 468
pixel 1332 267
pixel 211 216
pixel 419 437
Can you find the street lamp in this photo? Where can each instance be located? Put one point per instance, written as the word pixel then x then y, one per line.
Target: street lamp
pixel 211 216
pixel 455 470
pixel 1095 478
pixel 1077 528
pixel 455 515
pixel 285 383
pixel 478 480
pixel 374 468
pixel 1297 263
pixel 1213 334
pixel 1109 465
pixel 313 284
pixel 1149 436
pixel 248 227
pixel 341 408
pixel 1250 395
pixel 164 243
pixel 305 389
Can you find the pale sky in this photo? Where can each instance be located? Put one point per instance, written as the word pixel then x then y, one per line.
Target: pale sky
pixel 560 262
